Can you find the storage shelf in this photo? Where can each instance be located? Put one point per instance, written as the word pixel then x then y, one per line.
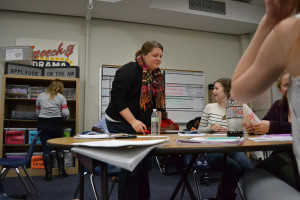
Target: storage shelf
pixel 24 104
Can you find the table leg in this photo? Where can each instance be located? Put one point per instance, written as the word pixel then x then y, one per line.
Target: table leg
pixel 81 180
pixel 184 172
pixel 104 181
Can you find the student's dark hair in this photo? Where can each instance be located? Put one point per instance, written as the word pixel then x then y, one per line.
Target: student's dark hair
pixel 148 47
pixel 226 83
pixel 197 118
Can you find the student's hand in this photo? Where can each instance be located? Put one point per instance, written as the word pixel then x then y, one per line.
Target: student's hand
pixel 215 127
pixel 277 10
pixel 223 129
pixel 248 127
pixel 139 126
pixel 262 127
pixel 218 128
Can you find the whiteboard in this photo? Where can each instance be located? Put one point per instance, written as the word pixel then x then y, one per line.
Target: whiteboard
pixel 184 92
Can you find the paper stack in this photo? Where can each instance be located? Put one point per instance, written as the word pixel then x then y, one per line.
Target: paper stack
pixel 211 140
pixel 122 153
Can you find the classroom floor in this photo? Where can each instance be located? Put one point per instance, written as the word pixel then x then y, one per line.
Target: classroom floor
pixel 63 189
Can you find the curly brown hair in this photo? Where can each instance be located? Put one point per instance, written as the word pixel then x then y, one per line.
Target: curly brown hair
pixel 226 84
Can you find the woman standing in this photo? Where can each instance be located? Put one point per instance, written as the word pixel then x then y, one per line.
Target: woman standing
pixel 136 90
pixel 213 120
pixel 52 110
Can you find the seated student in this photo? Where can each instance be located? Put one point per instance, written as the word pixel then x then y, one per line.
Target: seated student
pixel 277 121
pixel 166 123
pixel 193 124
pixel 278 118
pixel 100 126
pixel 213 120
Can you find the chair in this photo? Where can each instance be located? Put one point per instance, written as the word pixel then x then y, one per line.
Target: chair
pixel 201 167
pixel 260 184
pixel 8 163
pixel 112 171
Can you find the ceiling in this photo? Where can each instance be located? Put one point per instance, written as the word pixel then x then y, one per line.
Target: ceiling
pixel 242 16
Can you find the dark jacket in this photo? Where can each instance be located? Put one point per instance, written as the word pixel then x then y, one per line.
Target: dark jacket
pixel 278 117
pixel 126 92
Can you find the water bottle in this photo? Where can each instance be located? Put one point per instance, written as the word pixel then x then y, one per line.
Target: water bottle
pixel 234 118
pixel 154 123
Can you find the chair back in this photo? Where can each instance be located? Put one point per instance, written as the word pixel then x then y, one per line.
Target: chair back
pixel 31 148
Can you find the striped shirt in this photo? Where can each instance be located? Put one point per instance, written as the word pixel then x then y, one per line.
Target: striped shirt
pixel 212 114
pixel 50 108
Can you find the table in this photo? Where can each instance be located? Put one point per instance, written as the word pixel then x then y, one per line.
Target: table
pixel 170 149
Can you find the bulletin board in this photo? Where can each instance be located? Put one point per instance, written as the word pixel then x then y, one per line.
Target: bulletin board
pixel 184 92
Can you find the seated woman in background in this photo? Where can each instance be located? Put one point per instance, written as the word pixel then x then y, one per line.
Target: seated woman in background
pixel 213 120
pixel 166 123
pixel 193 124
pixel 277 121
pixel 278 118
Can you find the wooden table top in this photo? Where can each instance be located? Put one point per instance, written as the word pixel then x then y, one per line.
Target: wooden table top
pixel 173 148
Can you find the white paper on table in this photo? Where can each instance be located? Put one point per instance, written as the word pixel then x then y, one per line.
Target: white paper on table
pixel 249 116
pixel 120 143
pixel 192 134
pixel 124 157
pixel 211 140
pixel 97 136
pixel 224 134
pixel 269 138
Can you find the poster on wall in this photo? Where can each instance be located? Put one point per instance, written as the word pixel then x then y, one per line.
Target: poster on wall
pixel 52 53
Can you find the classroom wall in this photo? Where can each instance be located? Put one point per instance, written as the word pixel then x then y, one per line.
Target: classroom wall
pixel 115 42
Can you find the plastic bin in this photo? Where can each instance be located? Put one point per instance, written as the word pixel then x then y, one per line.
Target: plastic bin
pixel 18 54
pixel 37 162
pixel 35 91
pixel 67 132
pixel 32 132
pixel 70 93
pixel 17 91
pixel 15 135
pixel 15 156
pixel 23 115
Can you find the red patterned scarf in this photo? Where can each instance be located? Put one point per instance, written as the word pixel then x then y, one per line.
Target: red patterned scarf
pixel 152 85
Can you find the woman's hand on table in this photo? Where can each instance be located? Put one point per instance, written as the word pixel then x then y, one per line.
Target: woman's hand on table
pixel 139 126
pixel 262 127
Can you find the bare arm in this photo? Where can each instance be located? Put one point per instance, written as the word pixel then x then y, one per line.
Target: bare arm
pixel 264 59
